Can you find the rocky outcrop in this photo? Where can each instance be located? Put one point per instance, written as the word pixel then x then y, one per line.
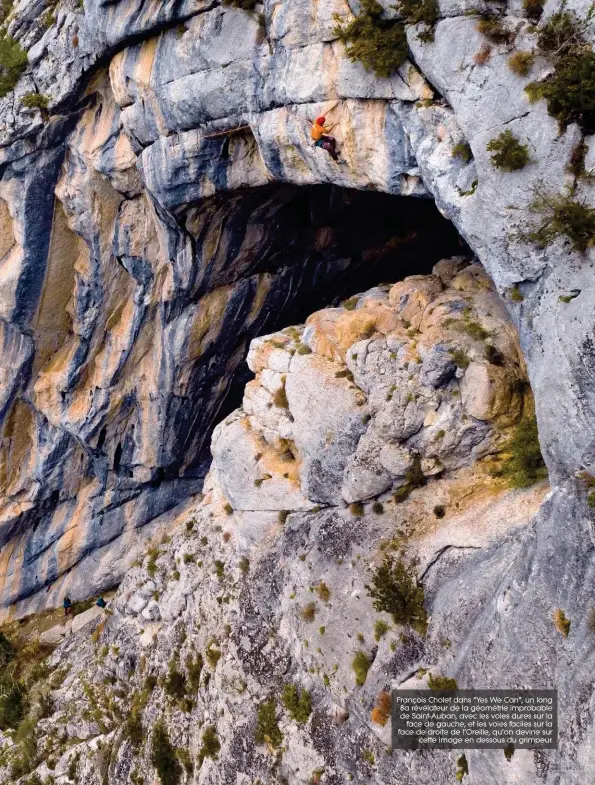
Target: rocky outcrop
pixel 375 428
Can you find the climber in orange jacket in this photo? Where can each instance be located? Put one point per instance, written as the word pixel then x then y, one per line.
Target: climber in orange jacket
pixel 320 135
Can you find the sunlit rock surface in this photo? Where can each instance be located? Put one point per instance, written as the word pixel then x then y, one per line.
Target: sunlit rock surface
pixel 136 267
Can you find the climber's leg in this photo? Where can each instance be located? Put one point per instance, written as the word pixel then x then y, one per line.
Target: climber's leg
pixel 329 144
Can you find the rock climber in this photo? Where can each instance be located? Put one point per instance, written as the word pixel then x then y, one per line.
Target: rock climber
pixel 320 135
pixel 101 603
pixel 67 603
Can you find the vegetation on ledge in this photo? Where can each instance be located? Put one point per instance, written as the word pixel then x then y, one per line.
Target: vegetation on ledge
pixel 13 61
pixel 395 590
pixel 379 44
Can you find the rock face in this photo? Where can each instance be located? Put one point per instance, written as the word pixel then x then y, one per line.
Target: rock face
pixel 140 253
pixel 372 428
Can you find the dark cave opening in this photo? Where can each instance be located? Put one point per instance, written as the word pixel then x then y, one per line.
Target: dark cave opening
pixel 319 245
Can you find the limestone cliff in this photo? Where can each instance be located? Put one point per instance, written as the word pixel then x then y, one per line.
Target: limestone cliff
pixel 141 251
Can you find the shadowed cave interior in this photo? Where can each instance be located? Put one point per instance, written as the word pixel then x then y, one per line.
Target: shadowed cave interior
pixel 324 243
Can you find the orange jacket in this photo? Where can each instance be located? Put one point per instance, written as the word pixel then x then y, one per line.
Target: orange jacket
pixel 318 130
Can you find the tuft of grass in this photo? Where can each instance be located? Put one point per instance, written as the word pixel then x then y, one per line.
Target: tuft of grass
pixel 459 357
pixel 323 592
pixel 515 294
pixel 213 655
pixel 379 44
pixel 462 768
pixel 304 349
pixel 441 683
pixel 308 612
pixel 282 516
pixel 520 63
pixel 561 623
pixel 561 215
pixel 35 101
pixel 267 727
pixel 356 509
pixel 569 89
pixel 395 590
pixel 439 510
pixel 524 464
pixel 163 756
pixel 462 150
pixel 298 703
pixel 378 508
pixel 494 29
pixel 380 629
pixel 280 398
pixel 210 744
pixel 361 665
pixel 508 153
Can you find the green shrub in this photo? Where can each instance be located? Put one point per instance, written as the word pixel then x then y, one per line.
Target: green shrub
pixel 441 683
pixel 459 357
pixel 361 665
pixel 175 682
pixel 494 29
pixel 420 12
pixel 163 756
pixel 570 89
pixel 379 44
pixel 561 215
pixel 185 759
pixel 298 704
pixel 210 746
pixel 508 153
pixel 267 728
pixel 5 9
pixel 462 150
pixel 13 701
pixel 524 464
pixel 380 629
pixel 35 101
pixel 7 651
pixel 13 61
pixel 560 35
pixel 462 768
pixel 520 63
pixel 378 508
pixel 395 590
